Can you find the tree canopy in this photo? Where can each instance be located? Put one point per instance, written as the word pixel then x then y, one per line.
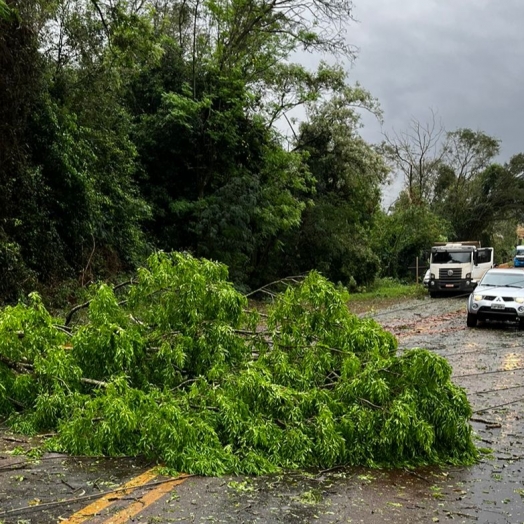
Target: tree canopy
pixel 129 126
pixel 135 125
pixel 452 181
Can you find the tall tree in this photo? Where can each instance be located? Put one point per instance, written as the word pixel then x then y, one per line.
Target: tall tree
pixel 460 181
pixel 468 153
pixel 25 238
pixel 335 232
pixel 494 197
pixel 67 163
pixel 417 153
pixel 404 233
pixel 214 170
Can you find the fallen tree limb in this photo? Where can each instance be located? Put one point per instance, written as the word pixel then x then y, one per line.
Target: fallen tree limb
pixel 26 368
pixel 415 474
pixel 20 367
pixel 94 382
pixel 482 420
pixel 282 280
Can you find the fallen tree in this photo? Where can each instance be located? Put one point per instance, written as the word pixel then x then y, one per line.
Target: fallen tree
pixel 176 367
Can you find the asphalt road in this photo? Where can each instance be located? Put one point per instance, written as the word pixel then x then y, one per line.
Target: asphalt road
pixel 488 361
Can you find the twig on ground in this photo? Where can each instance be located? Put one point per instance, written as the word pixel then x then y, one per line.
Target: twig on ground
pixel 415 474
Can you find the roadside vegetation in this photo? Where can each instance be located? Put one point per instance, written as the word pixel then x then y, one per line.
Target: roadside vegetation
pixel 388 288
pixel 132 126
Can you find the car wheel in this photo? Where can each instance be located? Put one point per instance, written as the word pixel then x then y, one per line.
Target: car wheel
pixel 521 323
pixel 433 294
pixel 472 320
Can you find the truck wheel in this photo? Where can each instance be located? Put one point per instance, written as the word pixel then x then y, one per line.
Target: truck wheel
pixel 472 320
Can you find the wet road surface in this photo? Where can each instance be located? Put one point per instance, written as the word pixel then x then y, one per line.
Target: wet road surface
pixel 488 361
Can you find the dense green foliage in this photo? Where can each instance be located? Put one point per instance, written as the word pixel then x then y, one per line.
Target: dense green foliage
pixel 128 126
pixel 335 235
pixel 134 125
pixel 178 369
pixel 405 233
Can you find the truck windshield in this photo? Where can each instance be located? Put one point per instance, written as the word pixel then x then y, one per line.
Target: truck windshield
pixel 447 257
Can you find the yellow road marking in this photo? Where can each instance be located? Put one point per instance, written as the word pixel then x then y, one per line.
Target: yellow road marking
pixel 143 502
pixel 105 501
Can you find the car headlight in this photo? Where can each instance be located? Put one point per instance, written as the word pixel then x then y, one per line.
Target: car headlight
pixel 478 298
pixel 468 276
pixel 519 300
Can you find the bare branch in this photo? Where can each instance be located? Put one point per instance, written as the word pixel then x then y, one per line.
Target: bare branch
pixel 417 152
pixel 94 382
pixel 281 281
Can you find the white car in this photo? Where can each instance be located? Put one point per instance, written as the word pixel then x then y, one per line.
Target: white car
pixel 498 296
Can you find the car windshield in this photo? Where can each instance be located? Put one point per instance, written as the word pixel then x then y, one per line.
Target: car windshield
pixel 449 257
pixel 502 280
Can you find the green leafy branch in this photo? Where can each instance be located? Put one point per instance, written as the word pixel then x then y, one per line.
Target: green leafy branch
pixel 179 371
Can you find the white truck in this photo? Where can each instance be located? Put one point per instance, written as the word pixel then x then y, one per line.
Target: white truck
pixel 457 266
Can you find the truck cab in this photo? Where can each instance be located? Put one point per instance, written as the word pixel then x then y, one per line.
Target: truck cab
pixel 457 267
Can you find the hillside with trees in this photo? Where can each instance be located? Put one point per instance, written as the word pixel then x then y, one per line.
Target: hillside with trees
pixel 132 126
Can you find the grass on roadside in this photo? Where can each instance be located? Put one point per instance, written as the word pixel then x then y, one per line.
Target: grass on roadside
pixel 388 288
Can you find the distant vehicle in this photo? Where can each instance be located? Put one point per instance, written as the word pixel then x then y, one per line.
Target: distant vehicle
pixel 457 266
pixel 498 296
pixel 518 259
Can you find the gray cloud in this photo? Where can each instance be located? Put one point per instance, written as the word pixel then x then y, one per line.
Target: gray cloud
pixel 462 58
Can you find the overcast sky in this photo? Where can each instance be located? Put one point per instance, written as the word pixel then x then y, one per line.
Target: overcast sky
pixel 462 58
